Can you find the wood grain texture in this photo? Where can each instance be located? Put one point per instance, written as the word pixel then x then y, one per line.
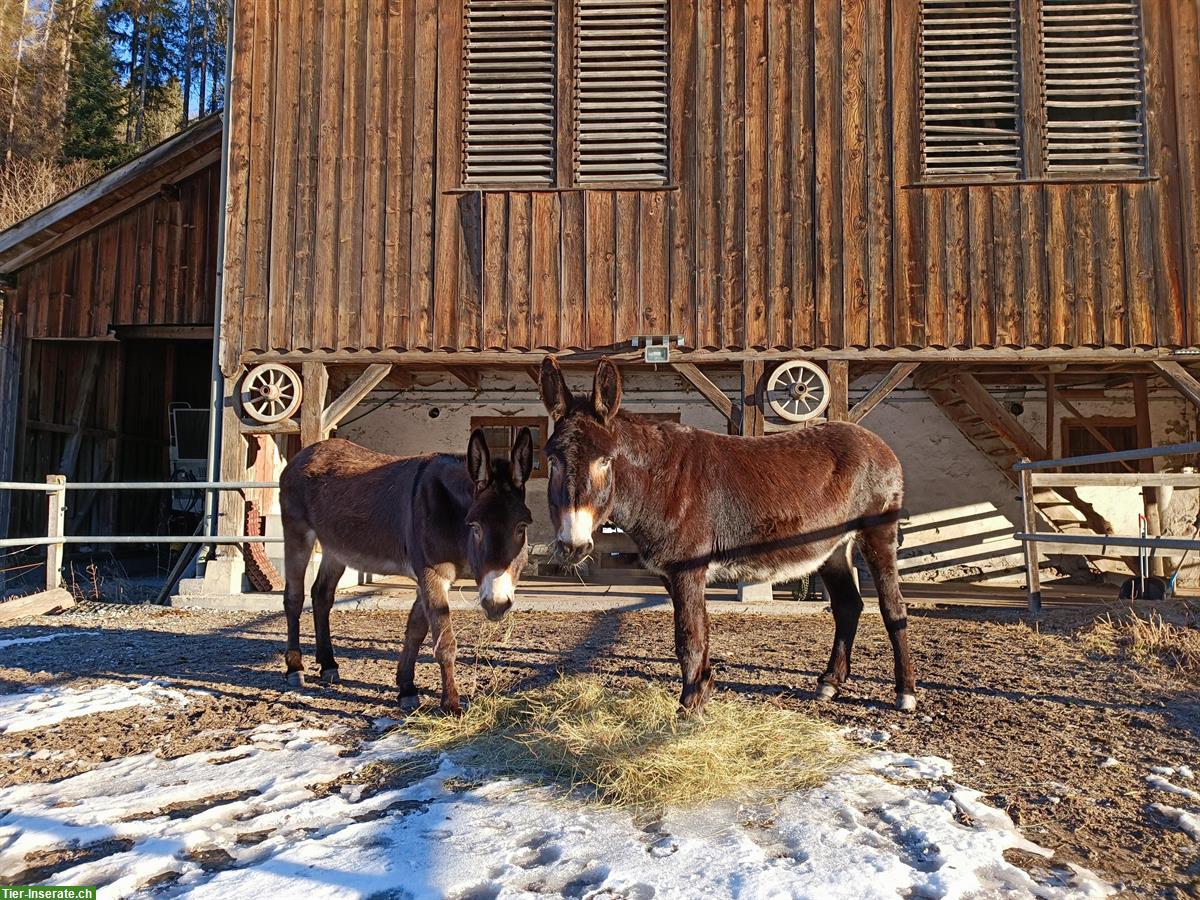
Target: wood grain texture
pixel 794 215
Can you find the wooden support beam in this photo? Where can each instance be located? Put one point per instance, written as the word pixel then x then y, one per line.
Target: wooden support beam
pixel 887 384
pixel 1033 583
pixel 535 374
pixel 697 379
pixel 231 505
pixel 83 400
pixel 467 375
pixel 1151 504
pixel 1051 406
pixel 353 395
pixel 1183 380
pixel 839 391
pixel 753 423
pixel 995 415
pixel 312 406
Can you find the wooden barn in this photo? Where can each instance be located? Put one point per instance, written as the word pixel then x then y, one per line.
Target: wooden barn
pixel 107 326
pixel 976 220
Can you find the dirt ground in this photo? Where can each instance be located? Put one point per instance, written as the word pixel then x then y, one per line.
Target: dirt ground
pixel 1026 714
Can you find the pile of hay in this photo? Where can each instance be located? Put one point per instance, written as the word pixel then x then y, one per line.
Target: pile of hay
pixel 629 747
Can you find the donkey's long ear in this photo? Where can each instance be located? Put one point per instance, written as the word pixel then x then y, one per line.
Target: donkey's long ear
pixel 522 458
pixel 606 390
pixel 553 387
pixel 479 460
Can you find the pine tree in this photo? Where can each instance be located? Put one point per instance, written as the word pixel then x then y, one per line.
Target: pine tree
pixel 93 106
pixel 164 112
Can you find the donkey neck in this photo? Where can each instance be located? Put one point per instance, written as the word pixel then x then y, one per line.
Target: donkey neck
pixel 642 466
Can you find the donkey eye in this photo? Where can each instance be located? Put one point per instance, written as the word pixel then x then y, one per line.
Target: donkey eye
pixel 476 529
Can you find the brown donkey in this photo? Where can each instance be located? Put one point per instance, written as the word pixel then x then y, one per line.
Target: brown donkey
pixel 703 507
pixel 429 517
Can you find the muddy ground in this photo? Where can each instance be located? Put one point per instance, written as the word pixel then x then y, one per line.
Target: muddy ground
pixel 1026 714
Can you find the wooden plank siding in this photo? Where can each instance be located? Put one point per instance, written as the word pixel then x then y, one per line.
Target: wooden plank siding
pixel 794 214
pixel 154 264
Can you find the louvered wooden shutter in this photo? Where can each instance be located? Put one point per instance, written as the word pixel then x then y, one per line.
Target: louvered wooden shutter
pixel 970 87
pixel 509 113
pixel 621 91
pixel 1094 86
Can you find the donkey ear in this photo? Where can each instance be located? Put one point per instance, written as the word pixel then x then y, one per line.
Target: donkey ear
pixel 606 390
pixel 553 388
pixel 479 460
pixel 522 457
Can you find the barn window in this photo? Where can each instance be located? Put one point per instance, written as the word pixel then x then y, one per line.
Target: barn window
pixel 970 88
pixel 501 433
pixel 508 104
pixel 564 92
pixel 1092 63
pixel 621 91
pixel 1074 105
pixel 1080 439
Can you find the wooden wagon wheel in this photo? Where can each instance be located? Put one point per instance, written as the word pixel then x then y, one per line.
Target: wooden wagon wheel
pixel 271 393
pixel 798 391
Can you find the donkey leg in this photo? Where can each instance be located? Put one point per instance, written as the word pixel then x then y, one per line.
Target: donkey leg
pixel 406 669
pixel 691 638
pixel 323 591
pixel 297 547
pixel 878 545
pixel 435 588
pixel 838 576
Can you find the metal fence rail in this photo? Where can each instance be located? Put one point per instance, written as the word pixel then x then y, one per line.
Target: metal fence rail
pixel 1033 475
pixel 56 487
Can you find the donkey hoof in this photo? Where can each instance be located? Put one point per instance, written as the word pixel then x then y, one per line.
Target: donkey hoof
pixel 295 679
pixel 826 691
pixel 906 702
pixel 330 676
pixel 409 702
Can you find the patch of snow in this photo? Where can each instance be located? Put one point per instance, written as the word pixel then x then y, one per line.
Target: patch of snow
pixel 39 708
pixel 1188 822
pixel 1109 762
pixel 1157 781
pixel 1168 771
pixel 893 826
pixel 867 735
pixel 66 632
pixel 1185 771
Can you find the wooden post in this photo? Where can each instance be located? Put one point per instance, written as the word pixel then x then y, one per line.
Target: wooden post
pixel 231 504
pixel 753 422
pixel 312 404
pixel 1150 496
pixel 839 391
pixel 1051 409
pixel 1033 577
pixel 56 510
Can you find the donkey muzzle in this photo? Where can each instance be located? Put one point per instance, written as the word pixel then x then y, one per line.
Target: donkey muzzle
pixel 573 554
pixel 496 593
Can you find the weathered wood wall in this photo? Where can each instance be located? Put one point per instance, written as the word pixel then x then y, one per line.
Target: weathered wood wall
pixel 154 264
pixel 795 216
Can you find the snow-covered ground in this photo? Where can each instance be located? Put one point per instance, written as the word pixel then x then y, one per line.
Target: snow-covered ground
pixel 13 642
pixel 254 820
pixel 1187 820
pixel 39 708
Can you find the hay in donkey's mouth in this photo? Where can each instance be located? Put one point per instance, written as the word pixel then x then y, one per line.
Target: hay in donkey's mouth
pixel 630 747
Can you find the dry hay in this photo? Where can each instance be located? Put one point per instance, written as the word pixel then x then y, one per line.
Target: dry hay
pixel 1152 639
pixel 630 747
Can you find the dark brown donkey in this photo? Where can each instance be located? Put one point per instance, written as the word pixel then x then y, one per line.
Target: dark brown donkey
pixel 703 507
pixel 431 518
